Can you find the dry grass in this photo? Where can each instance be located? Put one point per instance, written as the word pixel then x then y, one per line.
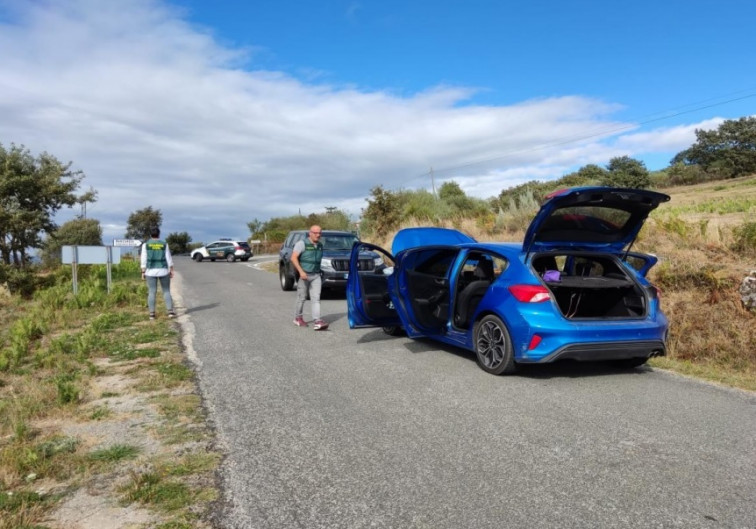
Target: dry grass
pixel 712 335
pixel 88 380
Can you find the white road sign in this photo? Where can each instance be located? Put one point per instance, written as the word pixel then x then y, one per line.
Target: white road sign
pixel 126 242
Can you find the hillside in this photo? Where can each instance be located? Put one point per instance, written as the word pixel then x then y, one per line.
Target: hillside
pixel 711 334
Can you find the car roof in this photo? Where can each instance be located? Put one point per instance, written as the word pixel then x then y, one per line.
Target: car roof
pixel 428 236
pixel 330 232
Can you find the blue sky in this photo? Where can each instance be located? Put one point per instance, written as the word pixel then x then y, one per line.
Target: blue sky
pixel 218 113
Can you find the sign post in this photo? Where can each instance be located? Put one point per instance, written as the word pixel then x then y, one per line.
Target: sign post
pixel 76 255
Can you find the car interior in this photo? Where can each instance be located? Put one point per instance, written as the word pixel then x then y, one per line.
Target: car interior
pixel 473 286
pixel 591 286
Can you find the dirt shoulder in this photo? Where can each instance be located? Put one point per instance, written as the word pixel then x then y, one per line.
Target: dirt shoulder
pixel 166 426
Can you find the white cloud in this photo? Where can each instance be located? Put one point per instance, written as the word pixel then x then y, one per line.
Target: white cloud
pixel 156 112
pixel 666 139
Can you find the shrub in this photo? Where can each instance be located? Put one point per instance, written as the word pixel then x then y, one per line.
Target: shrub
pixel 20 281
pixel 745 239
pixel 68 392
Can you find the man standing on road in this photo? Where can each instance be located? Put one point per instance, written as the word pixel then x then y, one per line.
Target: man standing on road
pixel 306 257
pixel 157 265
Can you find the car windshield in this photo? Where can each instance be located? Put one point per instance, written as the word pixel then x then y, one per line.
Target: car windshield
pixel 338 242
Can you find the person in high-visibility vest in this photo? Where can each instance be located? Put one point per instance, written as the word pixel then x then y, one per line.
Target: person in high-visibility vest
pixel 157 265
pixel 305 257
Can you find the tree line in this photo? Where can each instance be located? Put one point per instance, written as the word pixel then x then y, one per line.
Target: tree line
pixel 34 188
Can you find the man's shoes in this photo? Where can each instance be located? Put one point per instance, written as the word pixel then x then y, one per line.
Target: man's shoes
pixel 299 322
pixel 320 325
pixel 171 314
pixel 152 316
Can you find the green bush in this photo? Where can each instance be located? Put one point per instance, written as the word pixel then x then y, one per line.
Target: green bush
pixel 21 281
pixel 68 392
pixel 745 238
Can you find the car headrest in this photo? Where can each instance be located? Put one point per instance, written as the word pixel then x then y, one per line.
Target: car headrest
pixel 485 269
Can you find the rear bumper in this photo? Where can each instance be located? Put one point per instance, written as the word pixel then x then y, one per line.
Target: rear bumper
pixel 597 351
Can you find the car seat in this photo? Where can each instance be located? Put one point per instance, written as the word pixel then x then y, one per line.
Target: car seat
pixel 468 299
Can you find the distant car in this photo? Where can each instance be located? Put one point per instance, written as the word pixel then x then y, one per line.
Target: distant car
pixel 337 247
pixel 227 249
pixel 571 290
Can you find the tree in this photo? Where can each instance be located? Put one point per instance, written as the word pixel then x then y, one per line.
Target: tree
pixel 382 214
pixel 32 190
pixel 627 172
pixel 333 219
pixel 178 242
pixel 460 204
pixel 450 190
pixel 590 174
pixel 141 221
pixel 76 232
pixel 255 227
pixel 729 151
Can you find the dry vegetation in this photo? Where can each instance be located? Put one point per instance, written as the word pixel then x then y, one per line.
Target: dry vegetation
pixel 711 334
pixel 101 426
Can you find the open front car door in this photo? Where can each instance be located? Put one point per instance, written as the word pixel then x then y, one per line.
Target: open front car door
pixel 369 303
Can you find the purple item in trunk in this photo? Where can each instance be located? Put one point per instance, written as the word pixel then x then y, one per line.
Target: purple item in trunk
pixel 552 276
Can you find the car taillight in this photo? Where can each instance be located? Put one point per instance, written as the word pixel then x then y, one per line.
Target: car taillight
pixel 530 293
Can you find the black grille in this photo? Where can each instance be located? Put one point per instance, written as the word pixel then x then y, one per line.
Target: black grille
pixel 342 265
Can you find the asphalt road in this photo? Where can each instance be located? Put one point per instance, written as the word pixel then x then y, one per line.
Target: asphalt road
pixel 354 429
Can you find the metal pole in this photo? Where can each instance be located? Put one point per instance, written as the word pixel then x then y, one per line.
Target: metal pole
pixel 74 269
pixel 109 251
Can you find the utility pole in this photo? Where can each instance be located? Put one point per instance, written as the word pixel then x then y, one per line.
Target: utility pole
pixel 433 182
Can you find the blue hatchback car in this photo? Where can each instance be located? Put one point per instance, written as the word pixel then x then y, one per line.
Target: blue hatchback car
pixel 571 290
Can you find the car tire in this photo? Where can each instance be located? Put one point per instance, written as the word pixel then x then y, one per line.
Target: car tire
pixel 230 258
pixel 245 259
pixel 287 282
pixel 493 346
pixel 197 257
pixel 629 363
pixel 394 330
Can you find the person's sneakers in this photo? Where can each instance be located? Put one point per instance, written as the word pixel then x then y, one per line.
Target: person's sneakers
pixel 171 314
pixel 299 322
pixel 152 316
pixel 320 325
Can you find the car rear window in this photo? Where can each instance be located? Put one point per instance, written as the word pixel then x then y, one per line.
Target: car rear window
pixel 243 244
pixel 585 223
